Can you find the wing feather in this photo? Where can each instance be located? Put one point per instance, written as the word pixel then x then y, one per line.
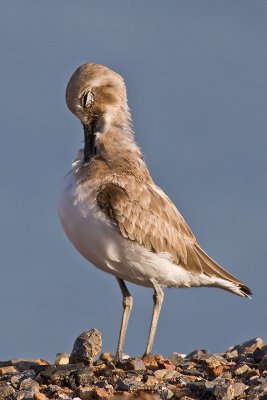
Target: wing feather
pixel 145 214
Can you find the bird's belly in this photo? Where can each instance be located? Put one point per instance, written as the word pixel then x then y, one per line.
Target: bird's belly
pixel 99 241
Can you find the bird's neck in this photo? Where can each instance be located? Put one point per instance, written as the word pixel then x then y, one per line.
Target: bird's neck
pixel 118 148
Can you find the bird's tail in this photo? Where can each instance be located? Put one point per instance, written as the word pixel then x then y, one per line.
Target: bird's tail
pixel 223 279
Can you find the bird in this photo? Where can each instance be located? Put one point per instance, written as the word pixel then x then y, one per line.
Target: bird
pixel 116 216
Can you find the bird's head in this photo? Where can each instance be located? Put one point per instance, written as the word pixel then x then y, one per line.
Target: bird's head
pixel 93 91
pixel 95 94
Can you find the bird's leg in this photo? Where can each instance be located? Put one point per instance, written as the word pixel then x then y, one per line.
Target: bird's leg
pixel 127 307
pixel 158 300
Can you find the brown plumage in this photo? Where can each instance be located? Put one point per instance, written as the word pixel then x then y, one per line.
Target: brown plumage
pixel 148 217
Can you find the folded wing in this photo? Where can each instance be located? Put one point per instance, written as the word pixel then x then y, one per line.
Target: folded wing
pixel 143 213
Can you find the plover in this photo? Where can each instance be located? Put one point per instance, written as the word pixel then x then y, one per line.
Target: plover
pixel 113 212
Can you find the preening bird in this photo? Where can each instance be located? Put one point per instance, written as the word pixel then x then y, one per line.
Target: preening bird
pixel 113 212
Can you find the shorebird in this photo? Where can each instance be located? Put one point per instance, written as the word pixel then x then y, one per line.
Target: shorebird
pixel 113 212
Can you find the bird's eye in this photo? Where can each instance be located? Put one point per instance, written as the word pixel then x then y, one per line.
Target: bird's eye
pixel 87 99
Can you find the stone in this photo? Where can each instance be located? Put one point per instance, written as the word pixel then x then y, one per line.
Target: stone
pixel 198 355
pixel 85 393
pixel 165 374
pixel 215 361
pixel 5 390
pixel 249 346
pixel 39 396
pixel 107 357
pixel 152 361
pixel 15 381
pixel 8 370
pixel 81 377
pixel 184 394
pixel 62 359
pixel 166 363
pixel 23 365
pixel 231 355
pixel 29 384
pixel 57 375
pixel 229 391
pixel 93 392
pixel 131 383
pixel 160 374
pixel 258 354
pixel 257 392
pixel 177 358
pixel 151 380
pixel 86 347
pixel 131 364
pixel 238 389
pixel 27 374
pixel 6 363
pixel 168 394
pixel 101 393
pixel 263 363
pixel 241 369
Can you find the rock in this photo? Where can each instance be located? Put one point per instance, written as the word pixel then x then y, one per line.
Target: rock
pixel 258 392
pixel 27 374
pixel 184 394
pixel 86 347
pixel 263 363
pixel 249 346
pixel 8 370
pixel 231 355
pixel 238 389
pixel 92 392
pixel 107 357
pixel 166 363
pixel 62 359
pixel 153 361
pixel 29 387
pixel 166 393
pixel 129 384
pixel 198 355
pixel 160 374
pixel 131 364
pixel 57 375
pixel 151 381
pixel 81 377
pixel 39 396
pixel 5 363
pixel 176 359
pixel 101 393
pixel 229 391
pixel 5 390
pixel 242 369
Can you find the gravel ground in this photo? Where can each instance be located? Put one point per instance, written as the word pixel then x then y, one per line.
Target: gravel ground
pixel 239 373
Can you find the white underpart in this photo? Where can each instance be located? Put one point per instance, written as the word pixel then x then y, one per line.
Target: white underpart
pixel 99 241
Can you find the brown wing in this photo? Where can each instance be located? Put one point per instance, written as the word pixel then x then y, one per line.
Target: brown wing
pixel 145 214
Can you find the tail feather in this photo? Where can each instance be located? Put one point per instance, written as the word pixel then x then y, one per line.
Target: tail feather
pixel 212 269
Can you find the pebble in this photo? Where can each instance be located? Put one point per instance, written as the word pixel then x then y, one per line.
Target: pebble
pixel 240 373
pixel 62 359
pixel 86 347
pixel 249 346
pixel 5 390
pixel 131 364
pixel 7 370
pixel 39 396
pixel 177 358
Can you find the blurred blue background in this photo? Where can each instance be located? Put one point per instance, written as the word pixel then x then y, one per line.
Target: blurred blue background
pixel 197 86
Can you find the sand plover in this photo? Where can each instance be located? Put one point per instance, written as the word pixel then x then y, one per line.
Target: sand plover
pixel 113 212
